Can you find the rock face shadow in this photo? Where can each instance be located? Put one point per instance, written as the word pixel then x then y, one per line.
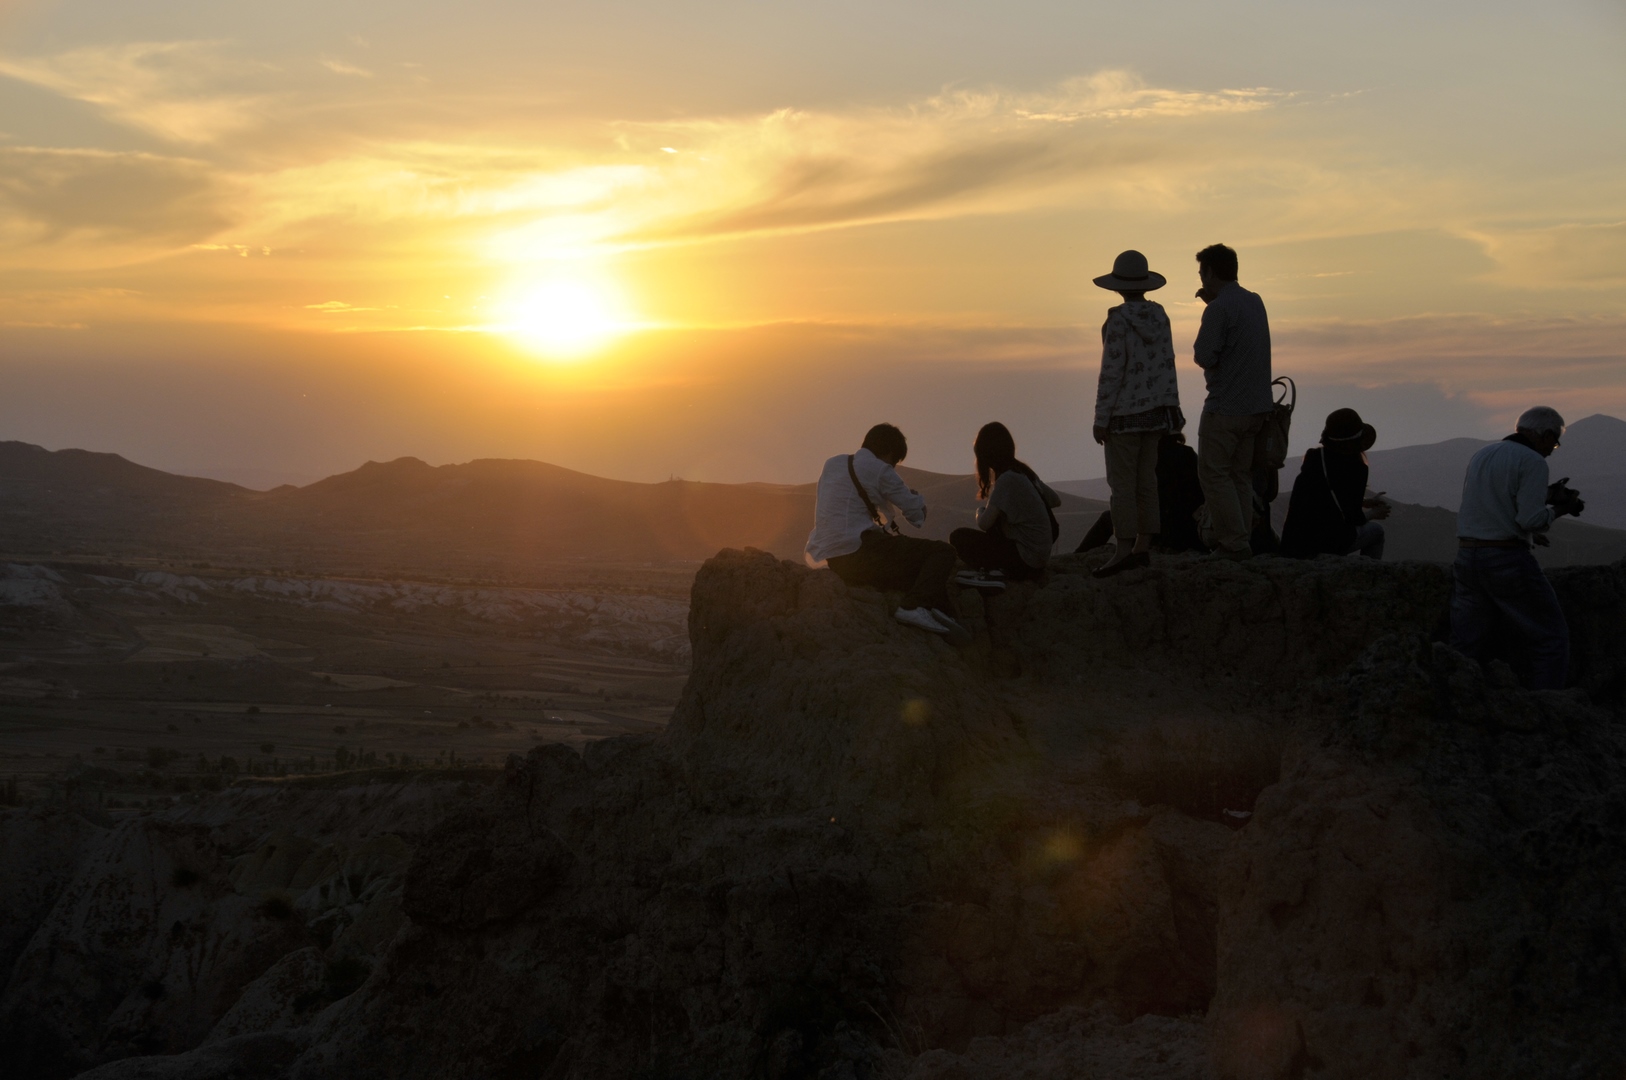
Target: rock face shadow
pixel 1195 821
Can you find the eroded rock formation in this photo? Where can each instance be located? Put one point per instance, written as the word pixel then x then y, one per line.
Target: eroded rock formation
pixel 1205 820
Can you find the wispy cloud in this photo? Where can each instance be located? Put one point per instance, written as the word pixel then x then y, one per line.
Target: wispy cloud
pixel 171 89
pixel 66 206
pixel 1563 256
pixel 340 67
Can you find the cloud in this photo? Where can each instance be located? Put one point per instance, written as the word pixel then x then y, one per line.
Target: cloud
pixel 103 206
pixel 339 67
pixel 662 183
pixel 1564 256
pixel 337 306
pixel 170 89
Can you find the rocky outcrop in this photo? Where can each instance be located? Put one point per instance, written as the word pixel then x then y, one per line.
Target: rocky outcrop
pixel 1203 820
pixel 165 931
pixel 1436 890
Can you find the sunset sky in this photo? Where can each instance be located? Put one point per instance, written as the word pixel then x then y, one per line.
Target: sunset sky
pixel 718 240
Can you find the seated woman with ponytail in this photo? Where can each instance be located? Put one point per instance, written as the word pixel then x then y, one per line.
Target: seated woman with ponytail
pixel 1016 529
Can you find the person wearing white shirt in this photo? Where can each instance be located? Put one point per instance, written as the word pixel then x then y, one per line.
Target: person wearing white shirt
pixel 1506 504
pixel 856 535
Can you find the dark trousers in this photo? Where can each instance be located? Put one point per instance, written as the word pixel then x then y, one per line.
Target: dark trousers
pixel 921 568
pixel 991 551
pixel 1492 584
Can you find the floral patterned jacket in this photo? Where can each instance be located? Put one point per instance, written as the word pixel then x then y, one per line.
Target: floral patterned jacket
pixel 1137 368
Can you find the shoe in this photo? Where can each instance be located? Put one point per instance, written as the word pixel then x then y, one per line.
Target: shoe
pixel 1133 561
pixel 977 579
pixel 956 632
pixel 920 619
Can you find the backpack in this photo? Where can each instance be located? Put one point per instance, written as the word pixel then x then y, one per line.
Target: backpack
pixel 1270 445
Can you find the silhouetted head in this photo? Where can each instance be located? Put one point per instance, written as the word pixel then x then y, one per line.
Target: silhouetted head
pixel 886 442
pixel 1131 276
pixel 1218 261
pixel 1542 427
pixel 1346 433
pixel 995 451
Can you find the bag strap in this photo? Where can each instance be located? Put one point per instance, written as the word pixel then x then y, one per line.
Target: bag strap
pixel 869 504
pixel 1328 478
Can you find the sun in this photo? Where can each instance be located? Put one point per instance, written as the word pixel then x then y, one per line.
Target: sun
pixel 564 319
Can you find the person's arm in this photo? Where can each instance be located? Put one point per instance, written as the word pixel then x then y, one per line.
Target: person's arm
pixel 1530 507
pixel 1051 499
pixel 1210 337
pixel 989 516
pixel 1114 360
pixel 909 503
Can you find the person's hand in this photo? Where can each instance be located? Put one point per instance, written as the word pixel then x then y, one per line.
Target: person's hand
pixel 1377 509
pixel 1205 296
pixel 1100 434
pixel 1540 540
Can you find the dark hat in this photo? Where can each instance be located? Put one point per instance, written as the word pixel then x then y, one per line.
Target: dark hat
pixel 1346 431
pixel 1130 273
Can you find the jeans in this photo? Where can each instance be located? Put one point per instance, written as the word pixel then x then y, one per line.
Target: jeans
pixel 1368 541
pixel 1494 584
pixel 1132 475
pixel 919 567
pixel 991 551
pixel 1225 470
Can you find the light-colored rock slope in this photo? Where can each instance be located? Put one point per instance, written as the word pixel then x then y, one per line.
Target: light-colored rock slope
pixel 861 854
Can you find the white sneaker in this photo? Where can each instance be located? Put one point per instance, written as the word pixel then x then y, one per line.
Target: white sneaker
pixel 976 579
pixel 919 618
pixel 954 630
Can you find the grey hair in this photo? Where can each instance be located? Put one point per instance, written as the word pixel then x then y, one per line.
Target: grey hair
pixel 1542 420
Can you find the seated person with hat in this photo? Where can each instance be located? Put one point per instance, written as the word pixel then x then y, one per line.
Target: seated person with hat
pixel 1327 513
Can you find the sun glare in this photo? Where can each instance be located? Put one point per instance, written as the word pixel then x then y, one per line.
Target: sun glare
pixel 565 320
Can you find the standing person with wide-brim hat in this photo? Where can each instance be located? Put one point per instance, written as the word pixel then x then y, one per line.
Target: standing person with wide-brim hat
pixel 1137 402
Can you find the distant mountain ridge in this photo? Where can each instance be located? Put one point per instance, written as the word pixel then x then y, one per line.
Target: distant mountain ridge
pixel 508 519
pixel 488 516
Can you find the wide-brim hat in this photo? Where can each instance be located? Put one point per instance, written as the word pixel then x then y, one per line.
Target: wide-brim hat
pixel 1345 430
pixel 1131 273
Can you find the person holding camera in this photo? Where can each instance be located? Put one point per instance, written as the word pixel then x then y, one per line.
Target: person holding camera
pixel 1507 505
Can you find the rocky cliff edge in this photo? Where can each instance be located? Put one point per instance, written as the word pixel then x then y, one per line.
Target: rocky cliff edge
pixel 1199 821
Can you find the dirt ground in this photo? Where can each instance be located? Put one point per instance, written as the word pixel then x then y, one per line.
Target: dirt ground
pixel 134 685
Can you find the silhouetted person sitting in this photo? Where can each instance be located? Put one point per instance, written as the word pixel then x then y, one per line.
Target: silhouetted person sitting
pixel 1328 512
pixel 1179 497
pixel 1016 529
pixel 1506 504
pixel 854 537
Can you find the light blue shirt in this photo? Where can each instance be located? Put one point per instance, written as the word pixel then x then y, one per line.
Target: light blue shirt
pixel 1504 494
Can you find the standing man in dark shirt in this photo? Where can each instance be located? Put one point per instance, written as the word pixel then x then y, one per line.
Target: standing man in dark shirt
pixel 1233 349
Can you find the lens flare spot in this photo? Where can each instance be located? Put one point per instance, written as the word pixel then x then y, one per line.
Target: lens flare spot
pixel 1062 847
pixel 917 712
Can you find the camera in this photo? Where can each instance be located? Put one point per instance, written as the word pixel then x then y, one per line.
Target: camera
pixel 1565 499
